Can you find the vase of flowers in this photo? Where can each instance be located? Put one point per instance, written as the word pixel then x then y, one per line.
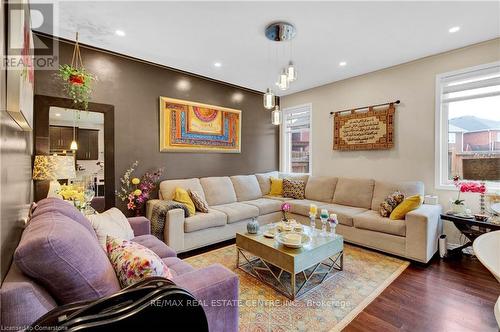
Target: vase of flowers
pixel 457 205
pixel 73 193
pixel 136 191
pixel 285 208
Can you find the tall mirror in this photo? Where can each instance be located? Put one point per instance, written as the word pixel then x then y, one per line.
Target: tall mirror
pixel 81 134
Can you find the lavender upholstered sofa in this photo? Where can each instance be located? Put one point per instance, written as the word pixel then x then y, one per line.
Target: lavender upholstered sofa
pixel 59 261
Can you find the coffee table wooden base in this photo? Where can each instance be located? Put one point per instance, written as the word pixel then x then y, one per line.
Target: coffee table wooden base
pixel 256 266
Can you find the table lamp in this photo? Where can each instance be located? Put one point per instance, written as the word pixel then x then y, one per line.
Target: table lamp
pixel 54 168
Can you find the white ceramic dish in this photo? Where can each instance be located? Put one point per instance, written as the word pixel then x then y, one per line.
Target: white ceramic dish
pixel 282 239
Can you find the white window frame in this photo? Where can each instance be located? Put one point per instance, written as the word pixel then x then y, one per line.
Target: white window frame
pixel 441 130
pixel 284 153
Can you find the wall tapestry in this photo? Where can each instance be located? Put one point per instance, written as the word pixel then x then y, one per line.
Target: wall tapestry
pixel 194 127
pixel 368 130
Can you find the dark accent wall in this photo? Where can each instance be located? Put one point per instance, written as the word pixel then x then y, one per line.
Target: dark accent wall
pixel 16 148
pixel 134 88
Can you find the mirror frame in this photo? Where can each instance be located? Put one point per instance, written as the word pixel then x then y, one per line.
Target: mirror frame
pixel 41 141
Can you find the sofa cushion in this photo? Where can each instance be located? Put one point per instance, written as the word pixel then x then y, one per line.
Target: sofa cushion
pixel 167 187
pixel 182 196
pixel 153 243
pixel 264 180
pixel 111 222
pixel 54 204
pixel 237 211
pixel 177 266
pixel 202 220
pixel 383 189
pixel 62 256
pixel 344 213
pixel 354 192
pixel 321 188
pixel 246 187
pixel 218 190
pixel 302 206
pixel 294 189
pixel 199 202
pixel 265 205
pixel 134 262
pixel 276 187
pixel 373 221
pixel 294 176
pixel 278 198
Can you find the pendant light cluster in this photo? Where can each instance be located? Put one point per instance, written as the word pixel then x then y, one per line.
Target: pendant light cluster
pixel 280 32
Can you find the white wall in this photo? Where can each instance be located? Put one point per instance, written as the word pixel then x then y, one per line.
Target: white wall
pixel 413 83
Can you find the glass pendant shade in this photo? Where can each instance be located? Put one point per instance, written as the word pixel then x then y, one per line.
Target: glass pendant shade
pixel 291 72
pixel 276 116
pixel 269 99
pixel 283 81
pixel 73 146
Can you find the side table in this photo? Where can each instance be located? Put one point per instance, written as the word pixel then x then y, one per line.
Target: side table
pixel 470 228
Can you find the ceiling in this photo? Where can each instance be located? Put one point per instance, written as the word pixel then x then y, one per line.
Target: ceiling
pixel 192 36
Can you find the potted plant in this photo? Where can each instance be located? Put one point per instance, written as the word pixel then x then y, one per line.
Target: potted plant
pixel 457 205
pixel 76 80
pixel 77 84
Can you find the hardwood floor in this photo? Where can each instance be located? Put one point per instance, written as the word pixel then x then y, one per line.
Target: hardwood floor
pixel 457 294
pixel 453 295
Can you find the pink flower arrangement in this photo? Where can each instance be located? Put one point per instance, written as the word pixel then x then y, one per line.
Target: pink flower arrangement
pixel 137 191
pixel 285 207
pixel 467 187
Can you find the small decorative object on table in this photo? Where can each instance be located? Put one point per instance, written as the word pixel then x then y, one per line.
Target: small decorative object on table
pixel 285 207
pixel 313 211
pixel 332 220
pixel 138 190
pixel 324 219
pixel 457 205
pixel 73 193
pixel 253 226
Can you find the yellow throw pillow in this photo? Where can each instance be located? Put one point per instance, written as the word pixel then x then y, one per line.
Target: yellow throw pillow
pixel 182 196
pixel 276 187
pixel 409 204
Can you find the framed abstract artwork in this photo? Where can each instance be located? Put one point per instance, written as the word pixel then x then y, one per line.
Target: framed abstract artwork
pixel 187 126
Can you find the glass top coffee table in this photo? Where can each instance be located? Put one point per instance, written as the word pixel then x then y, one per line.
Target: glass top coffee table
pixel 292 272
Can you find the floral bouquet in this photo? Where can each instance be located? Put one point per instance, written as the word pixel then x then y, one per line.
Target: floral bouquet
pixel 285 207
pixel 136 191
pixel 463 187
pixel 73 193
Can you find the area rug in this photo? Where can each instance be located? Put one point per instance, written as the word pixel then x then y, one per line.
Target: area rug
pixel 328 307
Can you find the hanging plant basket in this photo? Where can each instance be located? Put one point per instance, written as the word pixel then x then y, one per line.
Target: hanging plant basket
pixel 76 80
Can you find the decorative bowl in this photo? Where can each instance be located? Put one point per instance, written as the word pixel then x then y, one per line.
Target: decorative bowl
pixel 292 239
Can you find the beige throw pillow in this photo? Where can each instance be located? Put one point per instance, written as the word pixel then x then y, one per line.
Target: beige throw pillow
pixel 112 223
pixel 199 203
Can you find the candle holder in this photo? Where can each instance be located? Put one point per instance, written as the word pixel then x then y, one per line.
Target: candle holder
pixel 312 218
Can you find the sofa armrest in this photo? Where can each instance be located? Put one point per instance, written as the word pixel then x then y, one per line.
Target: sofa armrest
pixel 216 288
pixel 140 225
pixel 173 232
pixel 423 227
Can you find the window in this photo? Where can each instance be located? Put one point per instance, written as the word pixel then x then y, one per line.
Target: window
pixel 468 125
pixel 296 140
pixel 451 138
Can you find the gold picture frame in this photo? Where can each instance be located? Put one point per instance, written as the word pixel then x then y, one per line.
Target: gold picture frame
pixel 187 126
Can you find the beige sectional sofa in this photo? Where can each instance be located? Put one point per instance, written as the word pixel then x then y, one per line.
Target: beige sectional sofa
pixel 234 200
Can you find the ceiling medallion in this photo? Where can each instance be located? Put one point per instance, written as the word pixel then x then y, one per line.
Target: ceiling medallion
pixel 280 31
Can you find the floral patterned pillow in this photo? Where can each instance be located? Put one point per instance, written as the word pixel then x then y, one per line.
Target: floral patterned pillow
pixel 390 203
pixel 134 262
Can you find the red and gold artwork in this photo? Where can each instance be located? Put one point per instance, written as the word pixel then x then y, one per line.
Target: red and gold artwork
pixel 189 126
